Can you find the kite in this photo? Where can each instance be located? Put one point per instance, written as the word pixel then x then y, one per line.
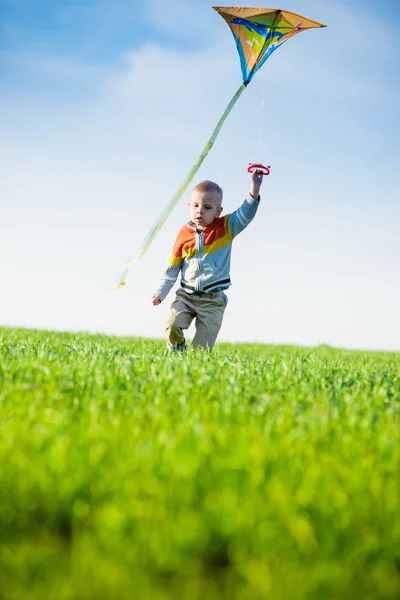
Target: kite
pixel 258 32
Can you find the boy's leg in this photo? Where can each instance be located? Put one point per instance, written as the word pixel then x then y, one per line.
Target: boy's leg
pixel 210 312
pixel 180 316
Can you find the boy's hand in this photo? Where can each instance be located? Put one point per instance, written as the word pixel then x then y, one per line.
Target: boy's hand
pixel 155 300
pixel 256 179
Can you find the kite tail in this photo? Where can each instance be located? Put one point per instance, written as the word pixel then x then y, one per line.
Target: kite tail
pixel 178 194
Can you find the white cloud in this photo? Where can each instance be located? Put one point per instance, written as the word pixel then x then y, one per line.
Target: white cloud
pixel 55 68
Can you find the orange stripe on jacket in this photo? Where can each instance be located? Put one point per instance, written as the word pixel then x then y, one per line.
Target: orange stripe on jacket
pixel 217 235
pixel 185 245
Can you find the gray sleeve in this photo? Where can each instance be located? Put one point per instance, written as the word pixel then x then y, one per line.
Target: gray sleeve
pixel 241 217
pixel 167 280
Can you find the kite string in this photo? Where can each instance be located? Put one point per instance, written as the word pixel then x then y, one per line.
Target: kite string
pixel 262 143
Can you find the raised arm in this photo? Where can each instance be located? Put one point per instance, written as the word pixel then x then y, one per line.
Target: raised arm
pixel 241 217
pixel 256 179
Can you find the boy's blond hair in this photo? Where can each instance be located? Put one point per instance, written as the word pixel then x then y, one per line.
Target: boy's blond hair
pixel 209 186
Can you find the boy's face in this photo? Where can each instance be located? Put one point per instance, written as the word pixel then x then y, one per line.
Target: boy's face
pixel 204 208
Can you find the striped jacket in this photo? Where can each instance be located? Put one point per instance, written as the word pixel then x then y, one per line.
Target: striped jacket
pixel 203 258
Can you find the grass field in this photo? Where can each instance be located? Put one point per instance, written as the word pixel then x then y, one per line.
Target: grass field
pixel 252 472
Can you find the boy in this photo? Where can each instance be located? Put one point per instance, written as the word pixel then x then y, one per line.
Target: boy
pixel 202 254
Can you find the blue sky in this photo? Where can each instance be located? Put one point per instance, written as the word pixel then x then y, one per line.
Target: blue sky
pixel 105 107
pixel 91 30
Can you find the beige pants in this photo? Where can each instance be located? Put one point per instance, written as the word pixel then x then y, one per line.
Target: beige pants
pixel 208 309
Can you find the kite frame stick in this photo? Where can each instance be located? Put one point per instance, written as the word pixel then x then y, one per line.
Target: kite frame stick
pixel 178 194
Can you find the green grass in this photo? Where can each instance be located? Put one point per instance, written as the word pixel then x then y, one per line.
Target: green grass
pixel 252 472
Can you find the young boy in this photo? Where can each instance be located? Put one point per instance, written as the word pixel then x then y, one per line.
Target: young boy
pixel 202 255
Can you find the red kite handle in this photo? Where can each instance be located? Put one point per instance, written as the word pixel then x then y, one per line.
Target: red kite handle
pixel 258 167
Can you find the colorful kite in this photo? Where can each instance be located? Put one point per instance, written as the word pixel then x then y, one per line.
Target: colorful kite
pixel 257 32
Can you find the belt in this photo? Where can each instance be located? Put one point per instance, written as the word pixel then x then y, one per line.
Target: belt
pixel 204 294
pixel 218 285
